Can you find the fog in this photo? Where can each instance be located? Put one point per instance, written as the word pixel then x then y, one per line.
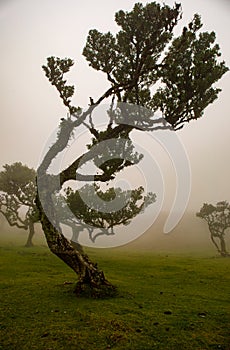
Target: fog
pixel 190 237
pixel 31 31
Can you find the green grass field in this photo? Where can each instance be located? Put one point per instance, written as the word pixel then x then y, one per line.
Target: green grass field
pixel 165 301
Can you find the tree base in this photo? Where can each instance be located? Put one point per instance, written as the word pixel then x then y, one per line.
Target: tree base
pixel 225 255
pixel 105 290
pixel 29 245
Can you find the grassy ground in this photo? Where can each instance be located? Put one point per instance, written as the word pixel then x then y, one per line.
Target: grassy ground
pixel 164 302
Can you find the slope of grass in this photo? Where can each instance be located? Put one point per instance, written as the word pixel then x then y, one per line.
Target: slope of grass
pixel 164 302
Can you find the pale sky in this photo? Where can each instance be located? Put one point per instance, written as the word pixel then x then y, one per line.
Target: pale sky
pixel 31 31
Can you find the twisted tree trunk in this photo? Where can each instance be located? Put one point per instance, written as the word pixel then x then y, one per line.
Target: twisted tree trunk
pixel 223 250
pixel 29 242
pixel 91 281
pixel 214 242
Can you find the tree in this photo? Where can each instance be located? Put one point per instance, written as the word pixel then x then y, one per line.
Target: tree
pixel 218 219
pixel 143 54
pixel 17 195
pixel 89 216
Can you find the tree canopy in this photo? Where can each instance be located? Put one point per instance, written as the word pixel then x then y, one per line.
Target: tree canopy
pixel 91 214
pixel 144 53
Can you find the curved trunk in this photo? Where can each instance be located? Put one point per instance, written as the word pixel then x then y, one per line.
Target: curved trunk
pixel 223 250
pixel 214 242
pixel 91 281
pixel 29 242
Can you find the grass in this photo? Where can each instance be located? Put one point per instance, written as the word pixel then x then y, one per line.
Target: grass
pixel 165 301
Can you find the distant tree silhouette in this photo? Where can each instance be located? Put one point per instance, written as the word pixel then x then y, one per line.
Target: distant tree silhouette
pixel 17 197
pixel 218 219
pixel 89 217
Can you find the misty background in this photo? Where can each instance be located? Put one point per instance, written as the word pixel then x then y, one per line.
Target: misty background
pixel 31 109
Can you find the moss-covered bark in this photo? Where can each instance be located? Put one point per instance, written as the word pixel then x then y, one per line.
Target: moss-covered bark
pixel 91 281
